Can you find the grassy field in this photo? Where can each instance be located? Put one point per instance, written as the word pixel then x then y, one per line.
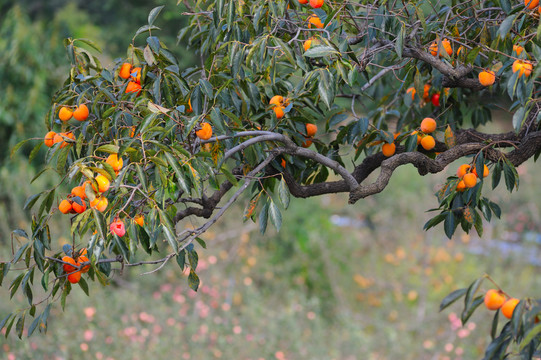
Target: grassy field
pixel 337 282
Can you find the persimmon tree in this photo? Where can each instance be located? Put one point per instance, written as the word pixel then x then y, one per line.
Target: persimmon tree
pixel 289 99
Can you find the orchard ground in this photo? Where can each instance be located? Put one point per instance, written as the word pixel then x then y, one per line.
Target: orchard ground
pixel 286 296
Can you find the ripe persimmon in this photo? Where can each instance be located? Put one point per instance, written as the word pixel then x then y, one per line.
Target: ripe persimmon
pixel 279 111
pixel 419 137
pixel 99 203
pixel 470 180
pixel 65 206
pixel 103 184
pixel 494 299
pixel 487 77
pixel 115 162
pixel 428 125
pixel 74 277
pixel 509 306
pixel 78 208
pixel 79 191
pixel 531 4
pixel 388 149
pixel 303 1
pixel 81 113
pixel 428 142
pixel 308 43
pixel 65 114
pixel 315 21
pixel 307 142
pixel 205 132
pixel 136 75
pixel 435 99
pixel 117 227
pixel 462 170
pixel 189 109
pixel 125 71
pixel 316 3
pixel 133 87
pixel 523 67
pixel 311 129
pixel 426 92
pixel 48 140
pixel 139 219
pixel 445 44
pixel 82 259
pixel 485 171
pixel 518 49
pixel 460 187
pixel 411 91
pixel 68 268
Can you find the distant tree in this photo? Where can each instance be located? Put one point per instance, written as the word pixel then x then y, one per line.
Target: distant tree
pixel 288 99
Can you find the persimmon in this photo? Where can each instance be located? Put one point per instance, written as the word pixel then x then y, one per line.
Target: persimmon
pixel 388 149
pixel 68 135
pixel 78 208
pixel 494 299
pixel 315 21
pixel 103 184
pixel 419 137
pixel 277 100
pixel 428 125
pixel 311 130
pixel 82 259
pixel 531 4
pixel 117 227
pixel 303 2
pixel 509 306
pixel 411 91
pixel 485 171
pixel 125 71
pixel 81 113
pixel 487 77
pixel 115 162
pixel 428 142
pixel 189 109
pixel 518 49
pixel 316 3
pixel 461 186
pixel 435 99
pixel 139 219
pixel 205 132
pixel 279 111
pixel 283 163
pixel 307 142
pixel 426 94
pixel 74 277
pixel 133 87
pixel 462 170
pixel 136 75
pixel 470 180
pixel 308 43
pixel 68 268
pixel 446 46
pixel 99 203
pixel 65 206
pixel 79 191
pixel 65 114
pixel 48 140
pixel 523 67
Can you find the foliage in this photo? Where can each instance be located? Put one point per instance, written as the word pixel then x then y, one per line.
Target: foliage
pixel 258 88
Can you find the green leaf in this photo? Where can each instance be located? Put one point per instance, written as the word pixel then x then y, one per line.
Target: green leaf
pixel 467 313
pixel 193 280
pixel 518 118
pixel 469 299
pixel 494 327
pixel 450 224
pixel 168 230
pixel 275 215
pixel 399 43
pixel 180 177
pixel 109 148
pixel 153 14
pixel 452 297
pixel 181 259
pixel 263 217
pixel 283 193
pixel 496 175
pixel 505 26
pixel 320 51
pixel 533 333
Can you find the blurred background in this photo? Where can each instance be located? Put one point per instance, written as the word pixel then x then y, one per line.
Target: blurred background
pixel 337 282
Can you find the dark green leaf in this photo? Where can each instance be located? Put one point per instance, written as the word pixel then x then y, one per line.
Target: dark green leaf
pixel 452 297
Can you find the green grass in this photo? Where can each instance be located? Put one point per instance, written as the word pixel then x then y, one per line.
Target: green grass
pixel 311 291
